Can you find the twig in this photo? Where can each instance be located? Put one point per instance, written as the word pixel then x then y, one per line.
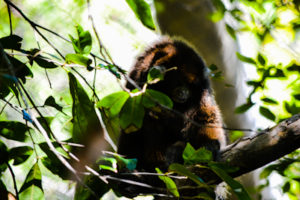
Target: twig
pixel 14 179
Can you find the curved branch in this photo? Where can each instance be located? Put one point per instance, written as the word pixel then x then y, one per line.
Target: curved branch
pixel 250 153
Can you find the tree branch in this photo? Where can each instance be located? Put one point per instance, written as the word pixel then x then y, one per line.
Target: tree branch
pixel 253 152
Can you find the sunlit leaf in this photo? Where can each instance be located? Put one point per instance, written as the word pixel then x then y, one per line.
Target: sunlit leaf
pixel 114 102
pixel 192 156
pixel 245 59
pixel 78 59
pixel 266 113
pixel 32 188
pixel 142 11
pixel 152 97
pixel 170 184
pixel 83 44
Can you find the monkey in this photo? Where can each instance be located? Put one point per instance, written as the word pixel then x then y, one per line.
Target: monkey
pixel 197 119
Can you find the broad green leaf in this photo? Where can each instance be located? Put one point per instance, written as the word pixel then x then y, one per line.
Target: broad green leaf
pixel 32 188
pixel 266 113
pixel 269 100
pixel 20 154
pixel 114 102
pixel 155 74
pixel 213 67
pixel 13 130
pixel 32 193
pixel 192 156
pixel 78 59
pixel 235 135
pixel 85 119
pixel 170 184
pixel 152 97
pixel 11 42
pixel 297 96
pixel 236 187
pixel 243 108
pixel 245 59
pixel 142 11
pixel 40 60
pixel 132 114
pixel 182 170
pixel 83 44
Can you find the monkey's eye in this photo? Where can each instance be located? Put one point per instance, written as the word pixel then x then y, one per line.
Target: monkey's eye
pixel 180 94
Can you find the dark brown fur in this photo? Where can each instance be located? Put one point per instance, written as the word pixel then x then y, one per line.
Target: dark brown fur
pixel 163 136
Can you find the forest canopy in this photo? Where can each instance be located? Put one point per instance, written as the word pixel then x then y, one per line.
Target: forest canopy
pixel 62 94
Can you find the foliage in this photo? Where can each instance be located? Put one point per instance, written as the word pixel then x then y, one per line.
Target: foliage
pixel 41 144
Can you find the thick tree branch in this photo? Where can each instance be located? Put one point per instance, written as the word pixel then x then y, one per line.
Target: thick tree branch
pixel 252 152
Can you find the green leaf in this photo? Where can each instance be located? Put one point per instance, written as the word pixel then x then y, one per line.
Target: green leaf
pixel 83 44
pixel 11 42
pixel 155 74
pixel 142 11
pixel 182 170
pixel 78 59
pixel 266 113
pixel 170 184
pixel 20 154
pixel 132 114
pixel 50 101
pixel 13 130
pixel 269 100
pixel 33 184
pixel 213 67
pixel 245 59
pixel 32 193
pixel 112 125
pixel 243 108
pixel 231 31
pixel 192 156
pixel 294 67
pixel 152 97
pixel 114 102
pixel 108 164
pixel 113 69
pixel 40 60
pixel 261 59
pixel 85 119
pixel 236 187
